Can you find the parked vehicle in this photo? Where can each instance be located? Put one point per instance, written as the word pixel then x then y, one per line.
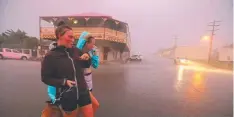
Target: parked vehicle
pixel 135 58
pixel 6 53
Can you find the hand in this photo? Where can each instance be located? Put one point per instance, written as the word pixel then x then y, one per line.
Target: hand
pixel 95 52
pixel 70 83
pixel 85 56
pixel 94 47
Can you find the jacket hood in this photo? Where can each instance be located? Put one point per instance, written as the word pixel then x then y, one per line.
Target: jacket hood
pixel 82 40
pixel 53 45
pixel 60 51
pixel 80 45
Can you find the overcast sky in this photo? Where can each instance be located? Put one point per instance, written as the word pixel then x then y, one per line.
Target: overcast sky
pixel 153 23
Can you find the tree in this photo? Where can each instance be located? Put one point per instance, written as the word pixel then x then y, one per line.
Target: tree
pixel 1 40
pixel 18 39
pixel 21 36
pixel 30 43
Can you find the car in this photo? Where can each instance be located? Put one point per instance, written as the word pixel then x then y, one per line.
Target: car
pixel 179 61
pixel 135 58
pixel 6 53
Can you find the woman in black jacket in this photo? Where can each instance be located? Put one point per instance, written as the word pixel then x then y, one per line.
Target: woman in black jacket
pixel 62 68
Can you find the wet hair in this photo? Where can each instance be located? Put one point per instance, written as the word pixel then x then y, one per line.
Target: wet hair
pixel 61 29
pixel 89 38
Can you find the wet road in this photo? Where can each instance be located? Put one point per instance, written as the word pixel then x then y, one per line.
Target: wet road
pixel 153 88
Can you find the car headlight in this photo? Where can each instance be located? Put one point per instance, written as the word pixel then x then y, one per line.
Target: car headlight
pixel 183 61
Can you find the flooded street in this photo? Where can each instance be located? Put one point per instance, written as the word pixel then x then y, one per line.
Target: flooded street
pixel 153 88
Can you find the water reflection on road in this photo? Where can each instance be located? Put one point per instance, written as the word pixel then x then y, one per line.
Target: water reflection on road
pixel 191 84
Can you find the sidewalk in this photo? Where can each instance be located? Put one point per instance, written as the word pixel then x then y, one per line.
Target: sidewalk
pixel 216 64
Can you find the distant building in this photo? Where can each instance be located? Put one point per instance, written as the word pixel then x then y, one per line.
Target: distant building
pixel 225 54
pixel 112 36
pixel 169 52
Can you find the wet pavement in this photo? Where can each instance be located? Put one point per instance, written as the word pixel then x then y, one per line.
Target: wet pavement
pixel 153 88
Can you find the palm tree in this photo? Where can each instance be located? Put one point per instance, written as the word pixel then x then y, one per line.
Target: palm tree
pixel 30 43
pixel 9 32
pixel 15 38
pixel 21 36
pixel 1 40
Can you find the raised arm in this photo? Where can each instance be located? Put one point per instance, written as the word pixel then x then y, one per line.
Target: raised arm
pixel 83 63
pixel 94 59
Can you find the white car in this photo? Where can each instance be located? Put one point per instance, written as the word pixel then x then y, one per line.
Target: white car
pixel 179 61
pixel 6 53
pixel 135 58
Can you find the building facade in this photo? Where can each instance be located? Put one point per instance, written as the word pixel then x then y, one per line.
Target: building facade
pixel 225 54
pixel 112 36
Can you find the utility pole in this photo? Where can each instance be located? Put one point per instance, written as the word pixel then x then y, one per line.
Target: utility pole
pixel 214 26
pixel 175 41
pixel 174 47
